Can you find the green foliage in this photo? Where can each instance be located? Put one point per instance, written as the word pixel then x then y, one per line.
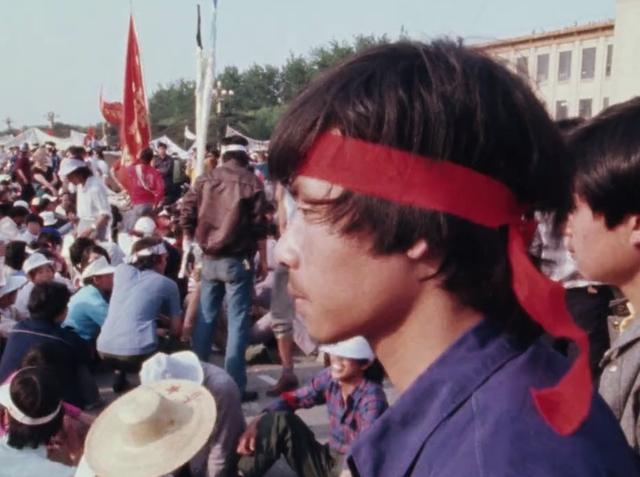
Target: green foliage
pixel 260 93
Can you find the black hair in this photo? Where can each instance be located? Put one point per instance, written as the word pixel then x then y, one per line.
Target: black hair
pixel 53 356
pixel 35 218
pixel 18 211
pixel 452 103
pixel 239 156
pixel 77 249
pixel 16 254
pixel 607 151
pixel 146 263
pixel 146 155
pixel 566 125
pixel 5 209
pixel 43 204
pixel 83 172
pixel 48 301
pixel 36 392
pixel 76 151
pixel 95 248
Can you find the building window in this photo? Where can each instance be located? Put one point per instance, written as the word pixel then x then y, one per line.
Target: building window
pixel 522 66
pixel 605 102
pixel 584 108
pixel 588 63
pixel 542 71
pixel 564 66
pixel 562 110
pixel 609 60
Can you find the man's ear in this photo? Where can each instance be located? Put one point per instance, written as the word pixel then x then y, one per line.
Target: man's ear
pixel 634 238
pixel 426 265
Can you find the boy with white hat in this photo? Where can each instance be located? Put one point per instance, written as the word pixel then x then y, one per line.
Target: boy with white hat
pixel 217 458
pixel 354 401
pixel 88 307
pixel 38 269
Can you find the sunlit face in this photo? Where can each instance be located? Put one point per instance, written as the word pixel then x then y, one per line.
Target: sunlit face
pixel 345 369
pixel 34 228
pixel 340 288
pixel 602 254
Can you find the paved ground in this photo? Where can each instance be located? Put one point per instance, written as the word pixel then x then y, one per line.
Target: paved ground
pixel 261 378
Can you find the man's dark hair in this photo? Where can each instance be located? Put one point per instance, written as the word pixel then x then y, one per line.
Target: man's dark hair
pixel 48 301
pixel 161 144
pixel 146 263
pixel 76 151
pixel 83 172
pixel 34 218
pixel 448 102
pixel 77 249
pixel 239 156
pixel 607 152
pixel 18 211
pixel 16 254
pixel 566 125
pixel 48 238
pixel 5 209
pixel 36 392
pixel 95 248
pixel 146 155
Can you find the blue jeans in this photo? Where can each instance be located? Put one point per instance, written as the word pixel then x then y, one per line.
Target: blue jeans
pixel 235 278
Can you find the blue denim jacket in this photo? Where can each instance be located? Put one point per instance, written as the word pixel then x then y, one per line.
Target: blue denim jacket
pixel 471 414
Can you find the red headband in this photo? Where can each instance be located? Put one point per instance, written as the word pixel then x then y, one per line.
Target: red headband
pixel 403 177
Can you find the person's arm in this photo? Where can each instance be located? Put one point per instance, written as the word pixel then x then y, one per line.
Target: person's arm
pixel 40 179
pixel 189 212
pixel 305 397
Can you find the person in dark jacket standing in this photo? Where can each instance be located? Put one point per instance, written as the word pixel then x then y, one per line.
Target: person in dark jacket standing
pixel 164 164
pixel 224 212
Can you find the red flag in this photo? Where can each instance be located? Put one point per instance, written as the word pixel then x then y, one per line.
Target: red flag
pixel 135 117
pixel 111 112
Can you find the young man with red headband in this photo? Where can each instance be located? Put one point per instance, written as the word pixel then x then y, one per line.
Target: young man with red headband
pixel 414 168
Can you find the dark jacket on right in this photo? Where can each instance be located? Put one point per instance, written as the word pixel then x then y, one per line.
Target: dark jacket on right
pixel 225 211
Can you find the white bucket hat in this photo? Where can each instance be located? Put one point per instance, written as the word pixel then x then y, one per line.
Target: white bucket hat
pixel 49 218
pixel 152 430
pixel 354 348
pixel 34 261
pixel 145 226
pixel 99 266
pixel 70 165
pixel 14 282
pixel 21 203
pixel 180 365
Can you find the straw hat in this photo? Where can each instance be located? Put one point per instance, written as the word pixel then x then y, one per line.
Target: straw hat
pixel 152 430
pixel 354 348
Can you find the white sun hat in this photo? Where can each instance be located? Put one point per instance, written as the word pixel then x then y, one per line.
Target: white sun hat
pixel 145 226
pixel 21 203
pixel 99 266
pixel 70 165
pixel 180 365
pixel 34 261
pixel 354 348
pixel 152 430
pixel 14 282
pixel 49 218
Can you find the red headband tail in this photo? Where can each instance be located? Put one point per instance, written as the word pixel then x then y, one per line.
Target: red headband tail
pixel 406 178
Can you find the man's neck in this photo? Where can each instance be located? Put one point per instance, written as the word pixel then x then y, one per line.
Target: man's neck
pixel 631 291
pixel 347 387
pixel 434 323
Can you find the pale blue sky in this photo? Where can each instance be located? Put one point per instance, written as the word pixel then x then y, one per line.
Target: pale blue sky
pixel 57 53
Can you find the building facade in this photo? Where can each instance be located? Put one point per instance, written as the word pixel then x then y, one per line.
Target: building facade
pixel 579 71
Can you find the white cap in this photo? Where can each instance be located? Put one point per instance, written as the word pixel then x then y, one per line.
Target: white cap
pixel 49 218
pixel 181 365
pixel 145 226
pixel 70 165
pixel 21 203
pixel 14 282
pixel 99 266
pixel 34 261
pixel 49 197
pixel 354 348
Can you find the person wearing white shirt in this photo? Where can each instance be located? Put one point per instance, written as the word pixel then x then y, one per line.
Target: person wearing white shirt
pixel 92 204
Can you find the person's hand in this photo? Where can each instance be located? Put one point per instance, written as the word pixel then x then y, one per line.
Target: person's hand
pixel 247 442
pixel 187 331
pixel 262 270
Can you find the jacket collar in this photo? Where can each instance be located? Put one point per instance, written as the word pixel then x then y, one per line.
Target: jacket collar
pixel 436 394
pixel 628 336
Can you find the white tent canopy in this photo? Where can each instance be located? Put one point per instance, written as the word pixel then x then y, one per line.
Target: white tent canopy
pixel 36 136
pixel 172 147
